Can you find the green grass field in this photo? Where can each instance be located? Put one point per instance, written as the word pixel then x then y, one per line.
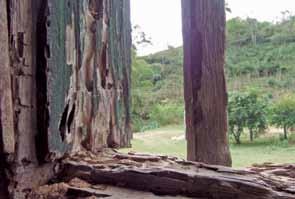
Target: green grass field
pixel 170 141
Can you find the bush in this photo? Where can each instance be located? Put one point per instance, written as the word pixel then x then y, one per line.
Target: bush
pixel 283 113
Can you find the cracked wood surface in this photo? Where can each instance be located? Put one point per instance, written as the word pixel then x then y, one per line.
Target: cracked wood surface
pixel 169 176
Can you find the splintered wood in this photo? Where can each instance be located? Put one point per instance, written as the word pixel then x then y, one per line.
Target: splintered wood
pixel 109 174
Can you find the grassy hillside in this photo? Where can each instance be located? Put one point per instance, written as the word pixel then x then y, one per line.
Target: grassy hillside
pixel 259 55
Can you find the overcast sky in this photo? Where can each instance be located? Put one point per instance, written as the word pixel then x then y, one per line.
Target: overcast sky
pixel 161 19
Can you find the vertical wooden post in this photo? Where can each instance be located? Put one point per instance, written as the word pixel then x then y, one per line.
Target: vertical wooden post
pixel 204 81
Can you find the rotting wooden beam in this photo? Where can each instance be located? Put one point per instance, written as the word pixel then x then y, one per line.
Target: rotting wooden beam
pixel 163 175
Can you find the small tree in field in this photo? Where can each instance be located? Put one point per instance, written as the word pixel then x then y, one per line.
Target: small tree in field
pixel 283 114
pixel 247 110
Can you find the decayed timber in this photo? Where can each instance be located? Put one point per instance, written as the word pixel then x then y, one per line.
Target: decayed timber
pixel 163 175
pixel 65 80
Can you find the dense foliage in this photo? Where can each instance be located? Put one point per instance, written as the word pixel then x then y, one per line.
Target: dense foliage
pixel 157 90
pixel 259 55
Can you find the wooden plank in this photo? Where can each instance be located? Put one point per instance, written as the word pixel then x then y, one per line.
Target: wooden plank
pixel 24 65
pixel 6 103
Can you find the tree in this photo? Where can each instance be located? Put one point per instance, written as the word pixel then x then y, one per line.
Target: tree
pixel 252 23
pixel 204 81
pixel 256 111
pixel 140 38
pixel 283 113
pixel 247 110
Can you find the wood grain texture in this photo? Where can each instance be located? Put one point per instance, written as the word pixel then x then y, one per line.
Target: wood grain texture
pixel 204 81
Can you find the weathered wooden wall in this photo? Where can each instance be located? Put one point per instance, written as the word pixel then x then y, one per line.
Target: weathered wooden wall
pixel 88 74
pixel 65 75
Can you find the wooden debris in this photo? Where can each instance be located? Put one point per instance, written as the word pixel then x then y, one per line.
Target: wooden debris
pixel 79 188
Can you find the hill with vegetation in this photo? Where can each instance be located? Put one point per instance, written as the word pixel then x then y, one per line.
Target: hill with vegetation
pixel 260 56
